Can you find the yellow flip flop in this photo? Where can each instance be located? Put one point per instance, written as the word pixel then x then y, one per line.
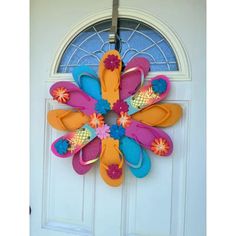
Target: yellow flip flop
pixel 162 115
pixel 111 162
pixel 67 119
pixel 109 74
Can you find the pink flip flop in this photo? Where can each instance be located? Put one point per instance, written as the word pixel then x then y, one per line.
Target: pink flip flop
pixel 156 90
pixel 133 77
pixel 84 159
pixel 72 142
pixel 70 94
pixel 151 138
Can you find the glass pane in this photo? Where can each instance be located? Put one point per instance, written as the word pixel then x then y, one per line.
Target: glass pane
pixel 137 39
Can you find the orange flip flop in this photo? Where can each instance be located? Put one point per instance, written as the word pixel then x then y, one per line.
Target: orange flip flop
pixel 111 162
pixel 109 74
pixel 162 115
pixel 67 119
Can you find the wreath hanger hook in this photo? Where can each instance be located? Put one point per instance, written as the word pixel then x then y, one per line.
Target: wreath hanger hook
pixel 113 35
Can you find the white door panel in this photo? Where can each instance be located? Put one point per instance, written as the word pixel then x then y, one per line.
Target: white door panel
pixel 170 201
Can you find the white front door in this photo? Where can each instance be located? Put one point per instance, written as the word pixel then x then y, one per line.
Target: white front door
pixel 170 201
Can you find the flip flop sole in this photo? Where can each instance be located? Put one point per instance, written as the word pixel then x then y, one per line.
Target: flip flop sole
pixel 110 78
pixel 137 158
pixel 70 122
pixel 77 98
pixel 87 80
pixel 90 152
pixel 110 157
pixel 161 115
pixel 150 138
pixel 130 82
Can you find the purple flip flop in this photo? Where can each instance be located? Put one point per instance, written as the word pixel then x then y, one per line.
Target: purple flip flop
pixel 70 94
pixel 132 78
pixel 150 138
pixel 84 159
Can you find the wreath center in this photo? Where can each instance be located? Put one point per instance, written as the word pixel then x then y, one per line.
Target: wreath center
pixel 111 118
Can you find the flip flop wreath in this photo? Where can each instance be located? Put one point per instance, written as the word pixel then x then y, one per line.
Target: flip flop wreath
pixel 90 139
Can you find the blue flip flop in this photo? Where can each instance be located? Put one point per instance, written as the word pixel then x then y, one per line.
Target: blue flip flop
pixel 136 157
pixel 87 80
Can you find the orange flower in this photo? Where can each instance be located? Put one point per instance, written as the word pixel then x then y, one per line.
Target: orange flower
pixel 160 146
pixel 96 120
pixel 124 119
pixel 61 95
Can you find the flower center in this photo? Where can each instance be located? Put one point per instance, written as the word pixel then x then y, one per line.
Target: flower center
pixel 160 147
pixel 114 172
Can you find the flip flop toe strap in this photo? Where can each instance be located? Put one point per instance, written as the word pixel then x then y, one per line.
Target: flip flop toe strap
pixel 120 155
pixel 60 117
pixel 63 115
pixel 136 166
pixel 85 74
pixel 83 162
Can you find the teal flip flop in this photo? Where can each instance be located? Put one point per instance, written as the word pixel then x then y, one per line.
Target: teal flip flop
pixel 136 157
pixel 87 80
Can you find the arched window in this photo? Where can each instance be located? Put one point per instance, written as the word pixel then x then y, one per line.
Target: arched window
pixel 137 39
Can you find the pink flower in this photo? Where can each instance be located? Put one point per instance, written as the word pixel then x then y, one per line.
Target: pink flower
pixel 114 172
pixel 120 106
pixel 111 62
pixel 103 131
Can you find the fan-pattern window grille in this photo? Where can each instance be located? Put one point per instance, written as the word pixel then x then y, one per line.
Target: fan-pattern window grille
pixel 137 39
